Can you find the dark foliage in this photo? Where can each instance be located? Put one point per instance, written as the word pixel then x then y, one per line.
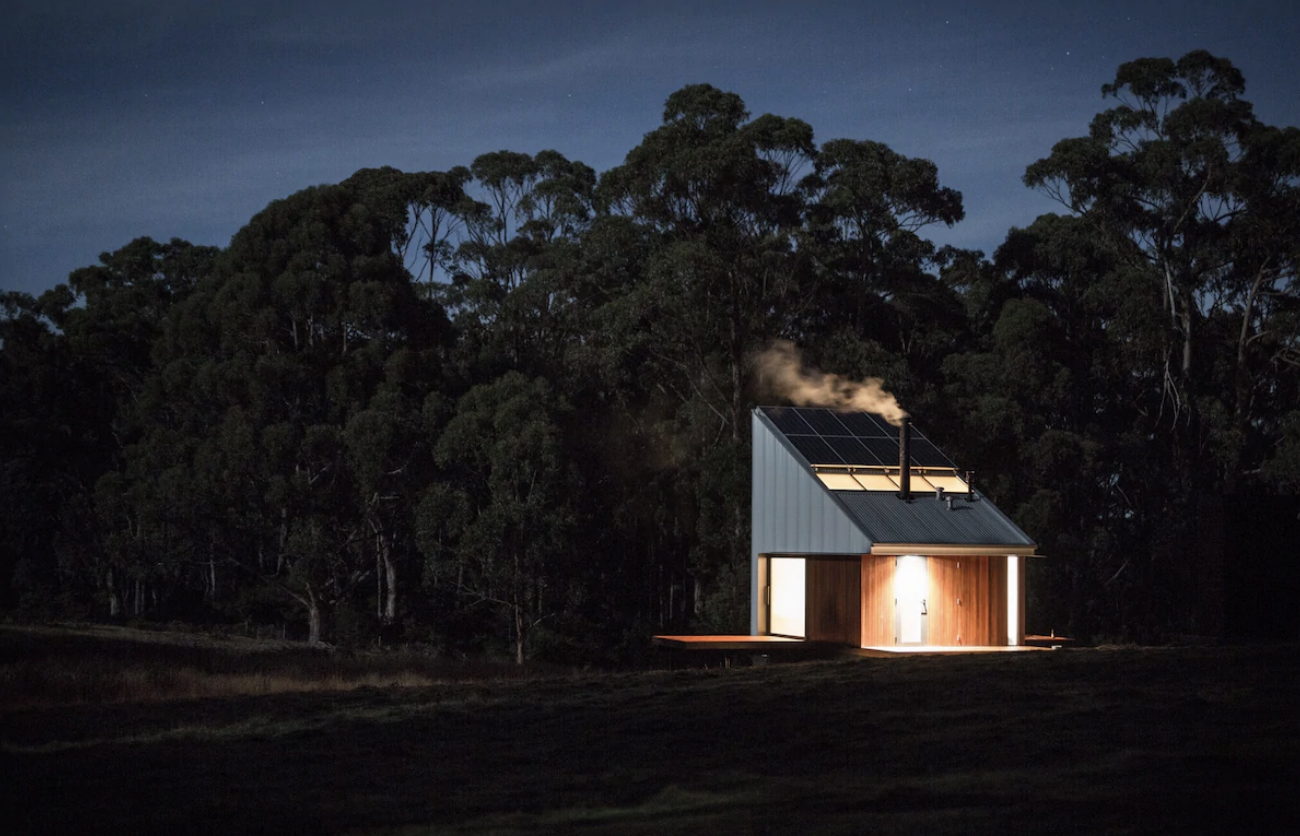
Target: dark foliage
pixel 504 409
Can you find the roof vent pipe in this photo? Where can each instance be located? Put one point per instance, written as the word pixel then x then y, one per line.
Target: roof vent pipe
pixel 938 494
pixel 905 459
pixel 970 486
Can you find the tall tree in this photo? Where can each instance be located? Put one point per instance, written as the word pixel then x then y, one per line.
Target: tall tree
pixel 1196 195
pixel 499 529
pixel 77 359
pixel 714 193
pixel 275 377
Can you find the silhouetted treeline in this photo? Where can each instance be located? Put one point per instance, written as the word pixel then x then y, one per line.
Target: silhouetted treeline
pixel 504 408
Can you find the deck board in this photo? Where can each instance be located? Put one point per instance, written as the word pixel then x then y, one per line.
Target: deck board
pixel 756 643
pixel 937 650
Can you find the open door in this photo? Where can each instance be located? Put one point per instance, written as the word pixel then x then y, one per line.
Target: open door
pixel 786 596
pixel 911 594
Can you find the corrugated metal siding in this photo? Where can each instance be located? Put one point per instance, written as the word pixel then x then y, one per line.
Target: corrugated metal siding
pixel 791 511
pixel 887 519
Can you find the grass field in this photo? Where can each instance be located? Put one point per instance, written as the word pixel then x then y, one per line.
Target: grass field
pixel 1125 740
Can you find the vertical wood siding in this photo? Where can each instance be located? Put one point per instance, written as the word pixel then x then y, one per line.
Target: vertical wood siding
pixel 947 601
pixel 877 601
pixel 834 612
pixel 968 601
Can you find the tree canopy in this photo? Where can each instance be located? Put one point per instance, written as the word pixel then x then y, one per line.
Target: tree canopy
pixel 504 408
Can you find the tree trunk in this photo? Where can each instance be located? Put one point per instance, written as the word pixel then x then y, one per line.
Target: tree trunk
pixel 114 600
pixel 313 620
pixel 521 634
pixel 1243 386
pixel 390 580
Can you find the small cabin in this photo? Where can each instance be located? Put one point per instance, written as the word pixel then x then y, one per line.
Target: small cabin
pixel 865 534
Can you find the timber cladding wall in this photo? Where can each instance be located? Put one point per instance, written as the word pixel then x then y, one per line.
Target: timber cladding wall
pixel 968 601
pixel 833 611
pixel 877 600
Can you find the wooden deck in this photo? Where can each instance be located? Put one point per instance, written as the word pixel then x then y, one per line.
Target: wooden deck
pixel 796 648
pixel 882 651
pixel 1049 641
pixel 756 644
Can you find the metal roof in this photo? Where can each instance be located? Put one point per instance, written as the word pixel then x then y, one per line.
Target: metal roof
pixel 886 519
pixel 965 525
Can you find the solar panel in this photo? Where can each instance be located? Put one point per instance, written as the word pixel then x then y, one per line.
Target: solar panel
pixel 925 454
pixel 823 422
pixel 824 436
pixel 788 421
pixel 885 449
pixel 852 451
pixel 814 449
pixel 863 426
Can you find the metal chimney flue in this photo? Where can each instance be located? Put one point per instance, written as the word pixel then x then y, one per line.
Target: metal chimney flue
pixel 970 486
pixel 905 459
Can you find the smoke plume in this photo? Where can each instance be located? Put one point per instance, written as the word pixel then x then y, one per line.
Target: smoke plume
pixel 781 372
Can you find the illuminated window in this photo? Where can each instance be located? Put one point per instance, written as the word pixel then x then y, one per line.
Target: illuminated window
pixel 876 481
pixel 1013 600
pixel 786 585
pixel 839 481
pixel 949 482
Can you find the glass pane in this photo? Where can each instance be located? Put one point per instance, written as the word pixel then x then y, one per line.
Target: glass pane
pixel 839 481
pixel 786 579
pixel 949 482
pixel 885 449
pixel 814 449
pixel 824 421
pixel 851 450
pixel 876 481
pixel 925 454
pixel 787 420
pixel 864 426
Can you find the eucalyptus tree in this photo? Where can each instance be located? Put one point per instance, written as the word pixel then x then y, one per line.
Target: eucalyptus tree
pixel 76 360
pixel 882 309
pixel 283 393
pixel 498 527
pixel 718 193
pixel 711 199
pixel 54 441
pixel 503 291
pixel 1197 197
pixel 1138 354
pixel 1045 407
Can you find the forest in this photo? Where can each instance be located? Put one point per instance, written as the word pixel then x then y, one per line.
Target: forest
pixel 503 410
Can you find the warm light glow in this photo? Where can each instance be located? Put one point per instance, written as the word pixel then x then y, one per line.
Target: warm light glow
pixel 1013 600
pixel 911 587
pixel 950 483
pixel 876 481
pixel 839 481
pixel 870 480
pixel 786 585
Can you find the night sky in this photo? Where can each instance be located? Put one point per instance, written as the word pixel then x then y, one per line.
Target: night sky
pixel 183 119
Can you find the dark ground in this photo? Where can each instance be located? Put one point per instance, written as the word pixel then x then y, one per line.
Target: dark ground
pixel 1171 740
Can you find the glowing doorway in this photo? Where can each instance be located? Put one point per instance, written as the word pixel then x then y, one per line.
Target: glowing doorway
pixel 787 600
pixel 911 589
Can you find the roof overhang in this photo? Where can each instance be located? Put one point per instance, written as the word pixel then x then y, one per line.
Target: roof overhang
pixel 951 550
